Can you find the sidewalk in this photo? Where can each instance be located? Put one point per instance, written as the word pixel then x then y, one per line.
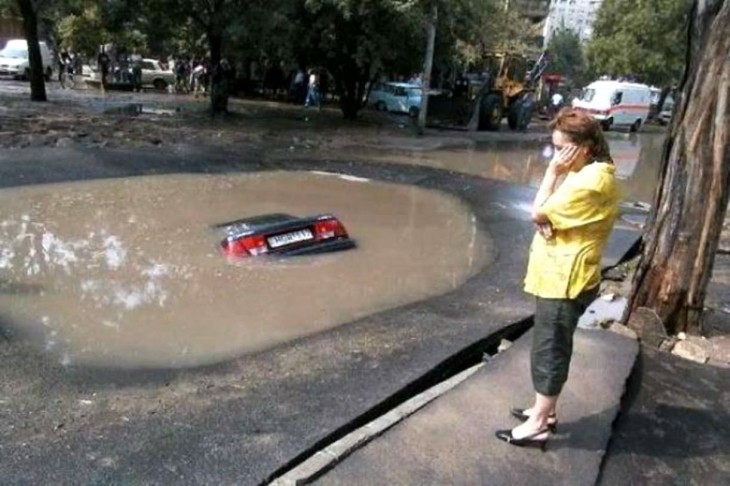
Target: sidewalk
pixel 451 441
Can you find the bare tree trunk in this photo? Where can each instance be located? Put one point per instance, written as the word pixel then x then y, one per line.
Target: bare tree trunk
pixel 692 196
pixel 30 24
pixel 427 68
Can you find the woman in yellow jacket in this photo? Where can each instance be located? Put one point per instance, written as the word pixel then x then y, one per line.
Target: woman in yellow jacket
pixel 574 220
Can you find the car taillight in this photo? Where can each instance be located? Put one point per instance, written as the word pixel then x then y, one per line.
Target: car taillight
pixel 329 228
pixel 252 245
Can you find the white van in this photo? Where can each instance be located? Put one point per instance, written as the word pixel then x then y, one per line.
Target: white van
pixel 616 103
pixel 14 60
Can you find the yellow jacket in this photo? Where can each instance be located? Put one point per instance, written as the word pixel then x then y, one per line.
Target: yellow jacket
pixel 582 212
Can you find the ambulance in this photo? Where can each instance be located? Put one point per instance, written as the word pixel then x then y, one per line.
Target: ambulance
pixel 616 104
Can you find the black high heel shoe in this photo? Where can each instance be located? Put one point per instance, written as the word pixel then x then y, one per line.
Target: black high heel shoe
pixel 519 414
pixel 528 441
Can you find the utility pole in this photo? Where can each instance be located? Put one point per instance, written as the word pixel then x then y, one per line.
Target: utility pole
pixel 427 68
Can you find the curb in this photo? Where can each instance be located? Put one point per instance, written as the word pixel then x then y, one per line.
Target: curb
pixel 328 457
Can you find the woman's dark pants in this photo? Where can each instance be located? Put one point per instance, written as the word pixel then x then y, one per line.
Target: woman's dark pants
pixel 552 340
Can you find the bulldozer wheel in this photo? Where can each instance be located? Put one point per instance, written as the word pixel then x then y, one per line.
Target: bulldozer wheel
pixel 513 118
pixel 490 113
pixel 520 112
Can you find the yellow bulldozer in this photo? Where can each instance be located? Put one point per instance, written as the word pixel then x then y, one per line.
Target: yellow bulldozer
pixel 509 93
pixel 505 88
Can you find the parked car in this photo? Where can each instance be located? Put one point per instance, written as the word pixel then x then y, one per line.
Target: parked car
pixel 283 234
pixel 397 97
pixel 14 60
pixel 154 75
pixel 616 103
pixel 665 116
pixel 88 72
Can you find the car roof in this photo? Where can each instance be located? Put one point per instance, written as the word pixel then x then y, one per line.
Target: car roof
pixel 16 43
pixel 403 85
pixel 616 84
pixel 257 222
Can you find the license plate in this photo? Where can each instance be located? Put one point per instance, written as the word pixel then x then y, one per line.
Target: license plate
pixel 289 238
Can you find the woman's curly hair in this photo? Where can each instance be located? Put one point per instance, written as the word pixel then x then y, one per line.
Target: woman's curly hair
pixel 584 131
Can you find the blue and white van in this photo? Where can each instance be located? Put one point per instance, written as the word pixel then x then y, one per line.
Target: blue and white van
pixel 396 97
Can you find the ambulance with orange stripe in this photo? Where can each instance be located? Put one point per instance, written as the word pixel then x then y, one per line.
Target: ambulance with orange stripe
pixel 616 103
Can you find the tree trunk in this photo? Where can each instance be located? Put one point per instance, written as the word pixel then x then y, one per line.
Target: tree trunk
pixel 427 68
pixel 30 25
pixel 349 104
pixel 219 79
pixel 351 82
pixel 692 197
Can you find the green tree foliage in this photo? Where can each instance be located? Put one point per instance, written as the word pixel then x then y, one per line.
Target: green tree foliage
pixel 355 40
pixel 643 39
pixel 566 55
pixel 469 29
pixel 82 31
pixel 359 40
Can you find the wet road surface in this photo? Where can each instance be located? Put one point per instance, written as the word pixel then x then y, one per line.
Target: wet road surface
pixel 127 273
pixel 637 158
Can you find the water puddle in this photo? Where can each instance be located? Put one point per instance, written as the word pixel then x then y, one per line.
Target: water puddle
pixel 125 108
pixel 127 273
pixel 637 159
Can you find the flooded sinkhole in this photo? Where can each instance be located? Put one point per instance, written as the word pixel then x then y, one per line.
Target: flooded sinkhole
pixel 127 272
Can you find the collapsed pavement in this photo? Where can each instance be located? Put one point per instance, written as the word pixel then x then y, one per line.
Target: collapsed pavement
pixel 250 419
pixel 242 421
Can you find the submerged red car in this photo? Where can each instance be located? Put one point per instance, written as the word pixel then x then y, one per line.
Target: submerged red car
pixel 283 234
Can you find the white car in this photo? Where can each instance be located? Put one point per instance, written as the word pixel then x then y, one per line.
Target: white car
pixel 397 97
pixel 154 75
pixel 14 59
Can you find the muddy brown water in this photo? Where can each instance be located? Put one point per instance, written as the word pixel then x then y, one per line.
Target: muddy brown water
pixel 126 273
pixel 637 158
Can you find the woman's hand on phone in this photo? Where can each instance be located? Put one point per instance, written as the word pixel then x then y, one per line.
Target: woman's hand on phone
pixel 546 230
pixel 563 159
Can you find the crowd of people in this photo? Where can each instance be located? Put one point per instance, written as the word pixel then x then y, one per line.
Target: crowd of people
pixel 309 87
pixel 70 63
pixel 193 74
pixel 118 65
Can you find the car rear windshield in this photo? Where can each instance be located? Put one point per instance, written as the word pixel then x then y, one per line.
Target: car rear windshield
pixel 14 53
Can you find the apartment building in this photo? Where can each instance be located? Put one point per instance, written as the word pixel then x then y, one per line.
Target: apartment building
pixel 577 15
